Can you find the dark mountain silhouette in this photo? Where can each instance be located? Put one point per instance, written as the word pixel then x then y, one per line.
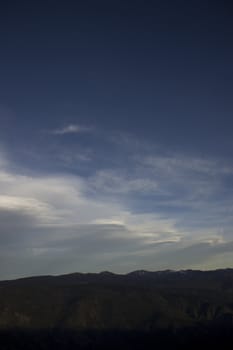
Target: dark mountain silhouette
pixel 87 310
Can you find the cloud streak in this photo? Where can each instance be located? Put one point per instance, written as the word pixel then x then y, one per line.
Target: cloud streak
pixel 71 129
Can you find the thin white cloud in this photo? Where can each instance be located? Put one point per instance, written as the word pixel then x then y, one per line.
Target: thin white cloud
pixel 72 129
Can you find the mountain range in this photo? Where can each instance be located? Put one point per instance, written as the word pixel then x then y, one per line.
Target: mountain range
pixel 183 305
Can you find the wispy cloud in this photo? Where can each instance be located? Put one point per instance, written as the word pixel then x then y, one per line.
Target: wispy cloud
pixel 147 216
pixel 72 129
pixel 113 182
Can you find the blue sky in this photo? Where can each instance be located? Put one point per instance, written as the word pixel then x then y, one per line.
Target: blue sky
pixel 116 136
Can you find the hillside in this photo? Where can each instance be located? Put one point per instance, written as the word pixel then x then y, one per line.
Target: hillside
pixel 183 302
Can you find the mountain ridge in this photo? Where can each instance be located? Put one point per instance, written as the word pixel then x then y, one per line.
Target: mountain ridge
pixel 131 273
pixel 129 308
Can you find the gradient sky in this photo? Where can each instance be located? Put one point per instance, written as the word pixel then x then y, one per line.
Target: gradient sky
pixel 116 136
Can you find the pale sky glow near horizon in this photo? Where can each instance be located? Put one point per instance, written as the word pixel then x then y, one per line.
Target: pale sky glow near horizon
pixel 116 136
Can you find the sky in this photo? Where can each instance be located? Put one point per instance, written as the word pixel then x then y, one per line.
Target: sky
pixel 116 136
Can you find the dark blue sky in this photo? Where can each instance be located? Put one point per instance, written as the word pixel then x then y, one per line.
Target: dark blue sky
pixel 130 101
pixel 159 69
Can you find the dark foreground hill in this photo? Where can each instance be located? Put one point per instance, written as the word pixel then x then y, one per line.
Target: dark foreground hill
pixel 138 310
